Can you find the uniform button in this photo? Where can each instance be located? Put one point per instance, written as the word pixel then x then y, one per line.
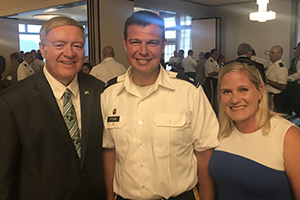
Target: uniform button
pixel 141 165
pixel 169 121
pixel 83 175
pixel 140 122
pixel 141 102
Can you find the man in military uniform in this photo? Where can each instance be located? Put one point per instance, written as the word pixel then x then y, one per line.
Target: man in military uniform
pixel 159 144
pixel 25 69
pixel 276 76
pixel 37 64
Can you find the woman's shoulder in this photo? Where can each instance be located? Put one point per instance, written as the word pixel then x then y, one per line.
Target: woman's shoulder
pixel 279 121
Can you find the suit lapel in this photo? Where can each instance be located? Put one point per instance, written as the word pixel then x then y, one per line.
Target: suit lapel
pixel 48 104
pixel 86 102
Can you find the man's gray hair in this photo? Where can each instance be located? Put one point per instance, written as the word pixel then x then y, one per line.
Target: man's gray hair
pixel 243 49
pixel 57 22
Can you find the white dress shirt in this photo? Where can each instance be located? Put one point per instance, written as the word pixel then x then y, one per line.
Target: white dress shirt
pixel 108 69
pixel 58 90
pixel 189 64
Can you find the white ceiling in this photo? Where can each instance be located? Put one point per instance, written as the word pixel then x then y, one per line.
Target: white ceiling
pixel 78 10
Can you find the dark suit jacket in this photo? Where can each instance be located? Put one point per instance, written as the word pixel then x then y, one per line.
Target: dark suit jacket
pixel 258 66
pixel 38 160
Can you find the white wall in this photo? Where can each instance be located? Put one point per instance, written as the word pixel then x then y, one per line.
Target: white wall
pixel 113 14
pixel 9 38
pixel 236 28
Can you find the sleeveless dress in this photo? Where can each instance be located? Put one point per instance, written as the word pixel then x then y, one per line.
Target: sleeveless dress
pixel 251 166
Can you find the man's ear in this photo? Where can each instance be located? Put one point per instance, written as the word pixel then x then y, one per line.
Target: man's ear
pixel 125 44
pixel 42 49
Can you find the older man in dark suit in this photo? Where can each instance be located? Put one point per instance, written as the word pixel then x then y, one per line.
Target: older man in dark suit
pixel 51 124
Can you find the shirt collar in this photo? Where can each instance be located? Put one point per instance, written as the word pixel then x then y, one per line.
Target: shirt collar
pixel 162 80
pixel 278 61
pixel 58 88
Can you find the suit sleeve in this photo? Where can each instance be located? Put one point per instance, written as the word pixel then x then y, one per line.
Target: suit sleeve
pixel 9 152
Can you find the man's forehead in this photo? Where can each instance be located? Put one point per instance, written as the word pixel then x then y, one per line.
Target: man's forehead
pixel 150 28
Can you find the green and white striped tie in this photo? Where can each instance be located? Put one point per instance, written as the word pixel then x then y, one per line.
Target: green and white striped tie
pixel 70 118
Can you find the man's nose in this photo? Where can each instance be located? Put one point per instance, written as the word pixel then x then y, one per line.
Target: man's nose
pixel 68 51
pixel 143 49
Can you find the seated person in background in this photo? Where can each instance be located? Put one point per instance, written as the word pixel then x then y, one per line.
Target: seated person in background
pixel 86 68
pixel 256 158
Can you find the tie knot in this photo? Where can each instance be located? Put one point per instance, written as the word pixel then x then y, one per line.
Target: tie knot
pixel 67 94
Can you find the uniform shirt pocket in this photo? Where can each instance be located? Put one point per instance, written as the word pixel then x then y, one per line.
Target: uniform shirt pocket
pixel 172 132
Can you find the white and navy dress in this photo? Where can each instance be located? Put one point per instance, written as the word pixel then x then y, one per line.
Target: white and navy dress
pixel 251 166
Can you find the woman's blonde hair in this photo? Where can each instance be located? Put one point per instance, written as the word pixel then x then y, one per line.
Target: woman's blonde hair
pixel 263 113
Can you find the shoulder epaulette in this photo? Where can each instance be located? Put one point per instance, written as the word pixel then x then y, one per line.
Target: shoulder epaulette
pixel 110 82
pixel 281 64
pixel 188 79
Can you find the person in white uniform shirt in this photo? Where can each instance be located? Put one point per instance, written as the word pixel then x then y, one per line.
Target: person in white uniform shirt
pixel 276 74
pixel 24 70
pixel 159 129
pixel 109 67
pixel 37 64
pixel 189 65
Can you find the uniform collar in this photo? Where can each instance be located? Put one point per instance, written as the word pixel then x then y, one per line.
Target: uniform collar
pixel 162 80
pixel 277 62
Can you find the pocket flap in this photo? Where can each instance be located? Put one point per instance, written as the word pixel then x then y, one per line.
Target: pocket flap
pixel 167 119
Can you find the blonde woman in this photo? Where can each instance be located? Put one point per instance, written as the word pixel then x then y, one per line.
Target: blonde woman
pixel 259 152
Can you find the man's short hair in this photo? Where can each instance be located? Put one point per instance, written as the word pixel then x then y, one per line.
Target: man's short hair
pixel 207 55
pixel 190 52
pixel 213 51
pixel 14 56
pixel 243 49
pixel 108 51
pixel 145 18
pixel 280 49
pixel 57 22
pixel 27 54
